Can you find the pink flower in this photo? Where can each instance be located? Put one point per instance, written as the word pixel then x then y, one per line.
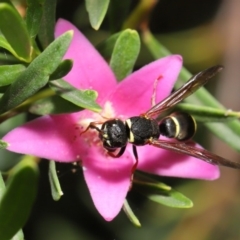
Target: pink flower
pixel 56 137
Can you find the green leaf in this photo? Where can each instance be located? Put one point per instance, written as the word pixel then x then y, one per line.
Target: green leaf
pixel 2 187
pixel 7 57
pixel 53 105
pixel 229 131
pixel 18 198
pixel 37 74
pixel 123 49
pixel 62 70
pixel 18 236
pixel 47 25
pixel 54 182
pixel 9 73
pixel 97 10
pixel 160 192
pixel 210 114
pixel 170 198
pixel 125 53
pixel 147 181
pixel 33 16
pixel 4 44
pixel 152 184
pixel 81 98
pixel 14 30
pixel 130 214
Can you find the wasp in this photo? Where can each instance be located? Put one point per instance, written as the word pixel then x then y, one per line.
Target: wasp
pixel 146 128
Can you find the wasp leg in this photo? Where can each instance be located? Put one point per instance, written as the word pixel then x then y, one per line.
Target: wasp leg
pixel 153 98
pixel 120 153
pixel 134 167
pixel 136 158
pixel 92 125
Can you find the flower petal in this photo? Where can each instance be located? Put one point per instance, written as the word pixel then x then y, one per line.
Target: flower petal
pixel 133 95
pixel 51 137
pixel 167 163
pixel 108 180
pixel 90 70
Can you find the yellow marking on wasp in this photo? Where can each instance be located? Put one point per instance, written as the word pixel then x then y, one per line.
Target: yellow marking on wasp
pixel 177 126
pixel 105 136
pixel 131 136
pixel 108 142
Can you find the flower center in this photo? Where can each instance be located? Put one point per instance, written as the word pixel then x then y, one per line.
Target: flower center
pixel 91 136
pixel 106 114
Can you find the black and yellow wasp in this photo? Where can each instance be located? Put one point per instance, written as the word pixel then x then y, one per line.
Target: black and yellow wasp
pixel 146 129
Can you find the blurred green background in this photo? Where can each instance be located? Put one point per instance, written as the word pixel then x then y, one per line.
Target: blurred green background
pixel 204 33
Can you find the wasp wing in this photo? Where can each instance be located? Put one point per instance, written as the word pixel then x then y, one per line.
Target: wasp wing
pixel 193 84
pixel 190 150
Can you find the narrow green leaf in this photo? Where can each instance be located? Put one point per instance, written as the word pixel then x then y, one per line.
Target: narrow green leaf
pixel 18 236
pixel 37 74
pixel 47 25
pixel 130 214
pixel 97 10
pixel 81 98
pixel 7 57
pixel 53 105
pixel 2 187
pixel 62 70
pixel 4 44
pixel 54 182
pixel 229 131
pixel 210 114
pixel 149 182
pixel 156 185
pixel 125 53
pixel 18 198
pixel 160 192
pixel 9 73
pixel 170 198
pixel 33 16
pixel 14 30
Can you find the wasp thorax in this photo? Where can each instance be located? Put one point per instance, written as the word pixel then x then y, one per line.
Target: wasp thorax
pixel 141 130
pixel 113 134
pixel 179 125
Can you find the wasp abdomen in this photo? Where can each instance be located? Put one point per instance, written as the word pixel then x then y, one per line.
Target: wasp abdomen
pixel 141 130
pixel 179 125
